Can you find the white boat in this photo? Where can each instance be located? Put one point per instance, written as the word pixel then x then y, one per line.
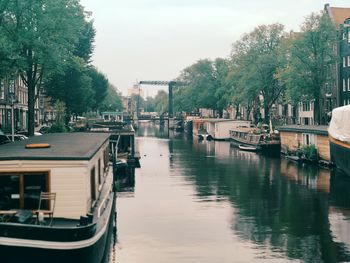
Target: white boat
pixel 339 138
pixel 247 148
pixel 57 200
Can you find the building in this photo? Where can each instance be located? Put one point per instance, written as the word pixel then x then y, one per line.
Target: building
pixel 341 17
pixel 13 94
pixel 135 91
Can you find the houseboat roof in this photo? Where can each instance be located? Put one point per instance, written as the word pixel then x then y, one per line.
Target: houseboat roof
pixel 315 129
pixel 62 146
pixel 213 120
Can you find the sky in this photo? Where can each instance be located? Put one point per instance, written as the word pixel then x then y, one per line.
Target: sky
pixel 156 39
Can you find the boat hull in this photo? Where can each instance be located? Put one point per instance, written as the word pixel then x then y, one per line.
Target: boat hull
pixel 340 155
pixel 92 253
pixel 266 148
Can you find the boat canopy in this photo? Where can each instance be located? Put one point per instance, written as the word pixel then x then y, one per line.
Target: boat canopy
pixel 339 128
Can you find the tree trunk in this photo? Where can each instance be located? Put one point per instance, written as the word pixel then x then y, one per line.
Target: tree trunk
pixel 267 114
pixel 31 104
pixel 317 112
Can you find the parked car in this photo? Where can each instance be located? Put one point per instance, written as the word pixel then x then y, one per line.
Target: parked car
pixel 44 129
pixel 25 133
pixel 17 137
pixel 4 139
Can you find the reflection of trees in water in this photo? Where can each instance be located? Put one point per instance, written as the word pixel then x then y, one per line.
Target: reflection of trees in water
pixel 277 203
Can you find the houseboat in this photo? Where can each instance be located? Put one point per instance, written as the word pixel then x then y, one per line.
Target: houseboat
pixel 339 138
pixel 57 202
pixel 122 139
pixel 297 142
pixel 253 139
pixel 219 129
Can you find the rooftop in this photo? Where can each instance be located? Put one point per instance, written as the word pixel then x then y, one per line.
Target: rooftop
pixel 317 129
pixel 63 146
pixel 338 14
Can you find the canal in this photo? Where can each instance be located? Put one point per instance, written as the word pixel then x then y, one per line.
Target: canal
pixel 200 201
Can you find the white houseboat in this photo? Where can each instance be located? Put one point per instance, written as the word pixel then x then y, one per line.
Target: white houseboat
pixel 219 129
pixel 339 138
pixel 57 200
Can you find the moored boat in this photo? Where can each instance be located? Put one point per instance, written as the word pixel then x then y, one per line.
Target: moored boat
pixel 339 138
pixel 254 138
pixel 56 198
pixel 247 148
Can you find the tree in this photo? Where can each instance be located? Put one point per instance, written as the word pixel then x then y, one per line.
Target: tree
pixel 255 62
pixel 201 86
pixel 99 86
pixel 112 102
pixel 42 35
pixel 161 102
pixel 72 86
pixel 311 57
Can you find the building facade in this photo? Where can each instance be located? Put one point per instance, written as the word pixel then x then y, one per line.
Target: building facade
pixel 13 98
pixel 341 18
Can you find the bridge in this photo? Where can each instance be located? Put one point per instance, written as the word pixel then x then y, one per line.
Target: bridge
pixel 171 85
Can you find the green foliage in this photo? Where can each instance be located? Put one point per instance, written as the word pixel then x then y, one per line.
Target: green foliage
pixel 72 86
pixel 310 59
pixel 309 152
pixel 161 102
pixel 112 102
pixel 206 86
pixel 41 36
pixel 255 62
pixel 99 87
pixel 57 127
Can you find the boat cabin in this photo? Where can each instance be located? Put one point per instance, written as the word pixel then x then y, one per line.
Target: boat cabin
pixel 219 129
pixel 244 135
pixel 74 166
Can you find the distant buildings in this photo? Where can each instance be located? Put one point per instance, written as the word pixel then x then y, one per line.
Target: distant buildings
pixel 13 93
pixel 340 94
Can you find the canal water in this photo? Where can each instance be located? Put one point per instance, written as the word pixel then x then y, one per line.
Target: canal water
pixel 206 202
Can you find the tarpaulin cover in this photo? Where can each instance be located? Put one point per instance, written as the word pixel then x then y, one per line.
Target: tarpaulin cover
pixel 339 128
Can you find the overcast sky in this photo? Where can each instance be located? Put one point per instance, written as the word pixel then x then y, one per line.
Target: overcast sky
pixel 156 39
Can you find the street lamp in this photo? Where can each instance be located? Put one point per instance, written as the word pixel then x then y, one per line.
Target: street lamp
pixel 12 97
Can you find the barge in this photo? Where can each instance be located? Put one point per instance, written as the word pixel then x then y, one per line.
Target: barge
pixel 57 202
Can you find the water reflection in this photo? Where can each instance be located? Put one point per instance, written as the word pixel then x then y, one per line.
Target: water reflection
pixel 216 199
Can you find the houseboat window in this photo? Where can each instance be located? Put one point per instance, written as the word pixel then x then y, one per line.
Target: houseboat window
pixel 22 191
pixel 106 158
pixel 92 184
pixel 33 186
pixel 308 139
pixel 99 172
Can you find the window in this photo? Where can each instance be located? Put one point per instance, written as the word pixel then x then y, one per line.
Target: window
pixel 344 85
pixel 12 86
pixel 22 190
pixel 344 62
pixel 92 185
pixel 348 84
pixel 2 90
pixel 344 102
pixel 348 61
pixel 348 36
pixel 308 139
pixel 99 172
pixel 307 106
